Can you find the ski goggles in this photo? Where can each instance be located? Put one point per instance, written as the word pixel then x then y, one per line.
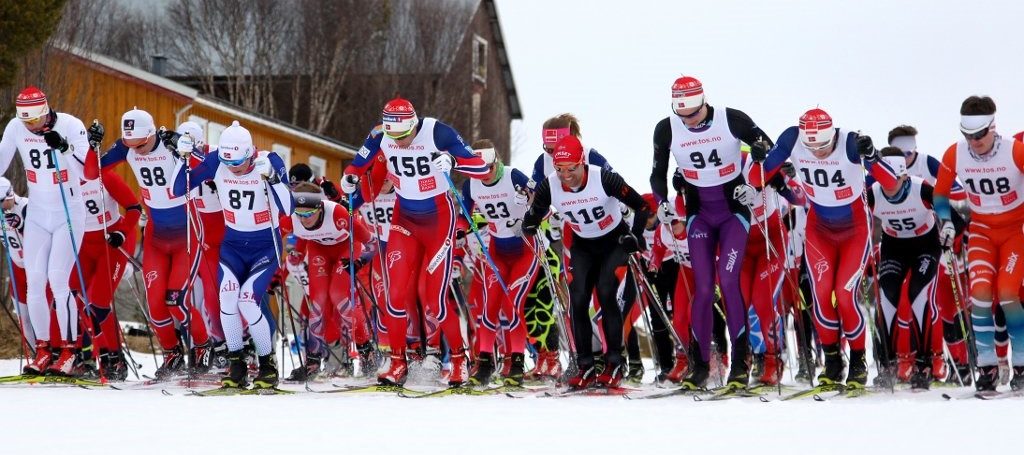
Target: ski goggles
pixel 977 135
pixel 306 212
pixel 399 135
pixel 233 163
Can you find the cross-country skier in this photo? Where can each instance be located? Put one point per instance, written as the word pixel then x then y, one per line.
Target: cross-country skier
pixel 992 169
pixel 832 163
pixel 705 142
pixel 554 129
pixel 588 198
pixel 422 233
pixel 252 186
pixel 168 269
pixel 47 141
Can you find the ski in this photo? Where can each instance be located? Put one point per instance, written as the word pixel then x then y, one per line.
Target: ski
pixel 217 392
pixel 374 388
pixel 266 391
pixel 814 391
pixel 52 380
pixel 730 391
pixel 589 392
pixel 456 390
pixel 997 395
pixel 846 392
pixel 669 393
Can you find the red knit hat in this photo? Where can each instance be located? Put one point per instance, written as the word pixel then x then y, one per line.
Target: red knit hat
pixel 568 150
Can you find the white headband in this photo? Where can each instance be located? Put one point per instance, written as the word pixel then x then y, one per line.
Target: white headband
pixel 974 123
pixel 908 144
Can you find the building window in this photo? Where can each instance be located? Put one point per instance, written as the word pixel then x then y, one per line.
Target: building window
pixel 318 165
pixel 476 115
pixel 213 131
pixel 479 59
pixel 284 152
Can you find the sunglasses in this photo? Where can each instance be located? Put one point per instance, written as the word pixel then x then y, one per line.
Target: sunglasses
pixel 977 135
pixel 305 213
pixel 233 163
pixel 819 147
pixel 399 136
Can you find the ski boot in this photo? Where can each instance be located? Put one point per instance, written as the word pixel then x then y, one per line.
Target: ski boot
pixel 397 371
pixel 940 370
pixel 858 376
pixel 483 369
pixel 114 366
pixel 804 368
pixel 174 361
pixel 739 374
pixel 922 377
pixel 65 363
pixel 611 375
pixel 235 376
pixel 833 372
pixel 679 368
pixel 218 357
pixel 771 372
pixel 367 361
pixel 42 361
pixel 85 365
pixel 988 378
pixel 201 358
pixel 460 369
pixel 1004 370
pixel 309 371
pixel 635 372
pixel 584 377
pixel 515 376
pixel 1017 382
pixel 699 370
pixel 267 377
pixel 904 367
pixel 886 378
pixel 506 365
pixel 963 372
pixel 757 366
pixel 547 366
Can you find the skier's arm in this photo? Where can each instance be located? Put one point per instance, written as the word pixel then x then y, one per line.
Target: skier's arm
pixel 448 140
pixel 78 140
pixel 662 155
pixel 282 193
pixel 878 169
pixel 123 195
pixel 367 153
pixel 8 145
pixel 540 207
pixel 197 175
pixel 615 186
pixel 743 127
pixel 779 153
pixel 944 184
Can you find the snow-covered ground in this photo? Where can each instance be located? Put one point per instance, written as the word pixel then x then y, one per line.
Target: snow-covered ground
pixel 43 420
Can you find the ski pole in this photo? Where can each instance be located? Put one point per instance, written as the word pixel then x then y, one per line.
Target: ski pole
pixel 14 286
pixel 476 232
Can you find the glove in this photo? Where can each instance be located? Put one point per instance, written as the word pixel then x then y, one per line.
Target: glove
pixel 866 148
pixel 275 283
pixel 528 230
pixel 115 239
pixel 629 243
pixel 460 238
pixel 521 198
pixel 516 226
pixel 443 162
pixel 356 264
pixel 744 194
pixel 96 133
pixel 788 169
pixel 947 234
pixel 169 139
pixel 264 169
pixel 759 150
pixel 330 190
pixel 185 145
pixel 349 183
pixel 211 185
pixel 665 214
pixel 56 142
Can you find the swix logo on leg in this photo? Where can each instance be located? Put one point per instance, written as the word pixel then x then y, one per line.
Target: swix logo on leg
pixel 393 257
pixel 925 263
pixel 150 277
pixel 1011 262
pixel 732 259
pixel 820 268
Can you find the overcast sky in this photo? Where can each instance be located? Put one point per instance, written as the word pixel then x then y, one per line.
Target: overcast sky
pixel 872 64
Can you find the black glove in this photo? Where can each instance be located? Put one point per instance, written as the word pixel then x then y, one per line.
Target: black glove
pixel 211 185
pixel 677 181
pixel 115 239
pixel 356 264
pixel 96 133
pixel 629 243
pixel 866 148
pixel 330 190
pixel 55 141
pixel 275 283
pixel 788 169
pixel 169 138
pixel 759 150
pixel 529 230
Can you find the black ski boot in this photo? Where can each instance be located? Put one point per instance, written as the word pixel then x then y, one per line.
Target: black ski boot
pixel 200 358
pixel 219 356
pixel 739 373
pixel 367 359
pixel 833 372
pixel 266 378
pixel 921 379
pixel 85 365
pixel 858 377
pixel 634 372
pixel 1017 382
pixel 236 372
pixel 307 371
pixel 804 368
pixel 482 371
pixel 174 362
pixel 697 377
pixel 964 373
pixel 886 378
pixel 517 371
pixel 988 378
pixel 114 366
